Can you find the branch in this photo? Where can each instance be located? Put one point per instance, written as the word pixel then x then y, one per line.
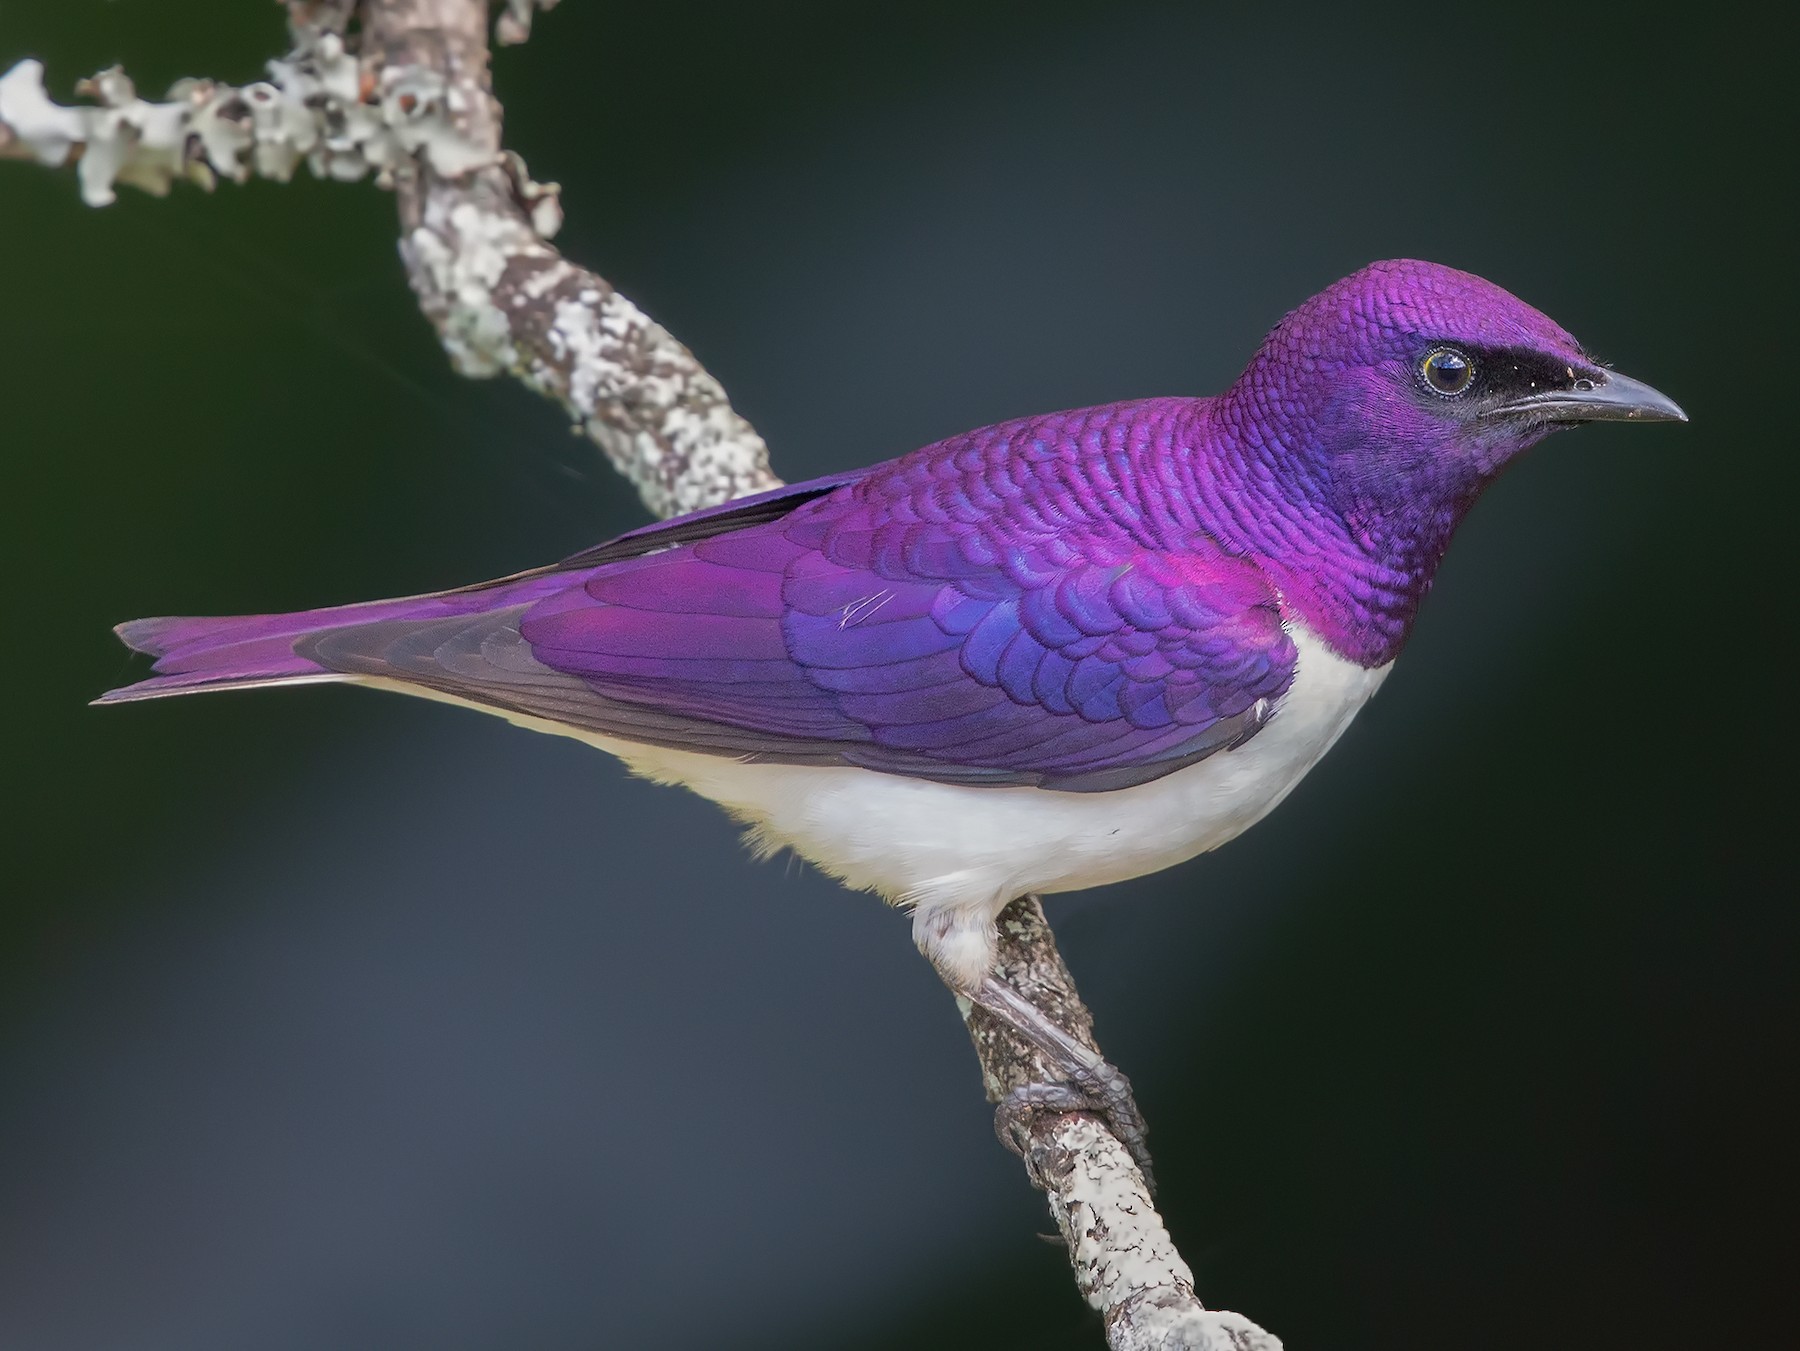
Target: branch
pixel 412 107
pixel 407 99
pixel 1126 1265
pixel 502 299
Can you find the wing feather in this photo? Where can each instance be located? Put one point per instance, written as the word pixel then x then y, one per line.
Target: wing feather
pixel 946 616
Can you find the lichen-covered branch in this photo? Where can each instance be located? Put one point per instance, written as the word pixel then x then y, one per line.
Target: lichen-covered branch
pixel 404 95
pixel 405 98
pixel 320 106
pixel 502 299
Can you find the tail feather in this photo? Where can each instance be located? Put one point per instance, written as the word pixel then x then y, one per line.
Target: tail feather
pixel 196 654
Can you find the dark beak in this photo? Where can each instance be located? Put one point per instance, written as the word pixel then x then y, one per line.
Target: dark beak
pixel 1605 397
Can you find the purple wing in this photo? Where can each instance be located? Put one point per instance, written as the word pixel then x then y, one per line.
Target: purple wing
pixel 1069 662
pixel 955 615
pixel 1013 607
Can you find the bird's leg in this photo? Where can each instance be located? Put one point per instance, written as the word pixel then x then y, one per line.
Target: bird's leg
pixel 1089 1083
pixel 989 964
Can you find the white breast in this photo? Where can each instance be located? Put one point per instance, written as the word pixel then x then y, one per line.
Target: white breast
pixel 959 854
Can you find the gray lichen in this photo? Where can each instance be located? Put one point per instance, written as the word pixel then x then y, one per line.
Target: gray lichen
pixel 514 23
pixel 320 106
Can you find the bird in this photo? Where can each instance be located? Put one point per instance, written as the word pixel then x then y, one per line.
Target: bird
pixel 1049 654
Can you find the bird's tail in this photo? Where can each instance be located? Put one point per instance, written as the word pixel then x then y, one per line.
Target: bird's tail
pixel 194 655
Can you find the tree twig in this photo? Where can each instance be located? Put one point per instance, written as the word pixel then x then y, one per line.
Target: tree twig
pixel 406 98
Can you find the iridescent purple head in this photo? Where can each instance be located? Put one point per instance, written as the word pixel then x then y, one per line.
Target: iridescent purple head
pixel 1380 408
pixel 1430 377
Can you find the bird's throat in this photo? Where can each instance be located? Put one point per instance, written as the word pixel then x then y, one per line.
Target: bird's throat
pixel 1353 561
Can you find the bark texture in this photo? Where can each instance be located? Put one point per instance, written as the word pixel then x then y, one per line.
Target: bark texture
pixel 399 90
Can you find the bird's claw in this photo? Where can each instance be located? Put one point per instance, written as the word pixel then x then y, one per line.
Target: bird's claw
pixel 1089 1082
pixel 1106 1094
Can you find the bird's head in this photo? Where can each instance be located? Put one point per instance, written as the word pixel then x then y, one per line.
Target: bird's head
pixel 1376 412
pixel 1417 377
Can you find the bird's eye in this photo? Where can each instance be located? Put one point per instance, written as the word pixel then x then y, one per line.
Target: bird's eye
pixel 1448 371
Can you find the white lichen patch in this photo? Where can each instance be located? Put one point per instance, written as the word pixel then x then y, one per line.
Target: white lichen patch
pixel 45 129
pixel 474 333
pixel 1117 1240
pixel 514 23
pixel 578 340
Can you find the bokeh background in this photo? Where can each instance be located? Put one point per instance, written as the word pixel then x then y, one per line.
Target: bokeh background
pixel 335 1020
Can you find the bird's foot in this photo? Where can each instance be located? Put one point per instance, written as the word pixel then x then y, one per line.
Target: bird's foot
pixel 1088 1083
pixel 1012 1118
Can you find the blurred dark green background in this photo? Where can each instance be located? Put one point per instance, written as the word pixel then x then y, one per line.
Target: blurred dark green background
pixel 335 1020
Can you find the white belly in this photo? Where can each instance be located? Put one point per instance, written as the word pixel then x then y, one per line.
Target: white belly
pixel 959 854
